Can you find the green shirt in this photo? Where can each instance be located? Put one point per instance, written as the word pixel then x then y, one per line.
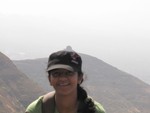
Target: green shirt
pixel 36 107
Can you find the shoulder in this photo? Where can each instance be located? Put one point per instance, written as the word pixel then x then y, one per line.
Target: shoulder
pixel 99 107
pixel 35 106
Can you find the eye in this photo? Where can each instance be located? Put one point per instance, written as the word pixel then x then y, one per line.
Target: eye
pixel 69 73
pixel 55 73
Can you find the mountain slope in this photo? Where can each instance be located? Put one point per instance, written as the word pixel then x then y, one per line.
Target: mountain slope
pixel 118 91
pixel 16 89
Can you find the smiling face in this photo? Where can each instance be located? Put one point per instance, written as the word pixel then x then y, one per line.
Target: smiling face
pixel 64 81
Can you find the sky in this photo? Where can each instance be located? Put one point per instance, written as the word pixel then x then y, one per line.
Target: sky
pixel 115 31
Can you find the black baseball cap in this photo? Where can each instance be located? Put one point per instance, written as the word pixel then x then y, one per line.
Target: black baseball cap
pixel 63 59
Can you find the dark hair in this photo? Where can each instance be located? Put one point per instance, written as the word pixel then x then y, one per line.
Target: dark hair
pixel 87 104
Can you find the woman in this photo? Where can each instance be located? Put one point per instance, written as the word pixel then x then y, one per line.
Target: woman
pixel 65 75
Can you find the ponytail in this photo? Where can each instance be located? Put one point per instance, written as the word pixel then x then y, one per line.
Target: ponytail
pixel 87 103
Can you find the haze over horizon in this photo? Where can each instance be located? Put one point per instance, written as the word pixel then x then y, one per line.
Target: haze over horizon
pixel 117 32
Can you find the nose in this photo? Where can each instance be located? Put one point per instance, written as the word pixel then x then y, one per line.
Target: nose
pixel 63 78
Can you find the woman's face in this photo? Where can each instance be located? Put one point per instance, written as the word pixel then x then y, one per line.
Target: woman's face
pixel 64 81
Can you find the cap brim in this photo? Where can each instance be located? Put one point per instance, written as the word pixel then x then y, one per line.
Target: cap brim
pixel 60 66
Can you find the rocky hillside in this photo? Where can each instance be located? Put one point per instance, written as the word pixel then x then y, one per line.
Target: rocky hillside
pixel 118 91
pixel 16 89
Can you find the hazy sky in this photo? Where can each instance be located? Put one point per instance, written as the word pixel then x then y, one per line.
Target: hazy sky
pixel 115 31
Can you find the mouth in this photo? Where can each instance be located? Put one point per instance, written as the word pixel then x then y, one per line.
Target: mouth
pixel 63 84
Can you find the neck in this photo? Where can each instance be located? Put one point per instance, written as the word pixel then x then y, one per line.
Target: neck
pixel 66 103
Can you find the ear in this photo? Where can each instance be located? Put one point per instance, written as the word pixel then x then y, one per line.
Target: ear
pixel 80 79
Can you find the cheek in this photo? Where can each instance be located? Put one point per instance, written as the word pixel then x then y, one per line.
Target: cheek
pixel 76 80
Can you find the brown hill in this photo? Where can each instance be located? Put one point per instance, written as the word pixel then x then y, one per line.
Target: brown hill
pixel 118 91
pixel 16 89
